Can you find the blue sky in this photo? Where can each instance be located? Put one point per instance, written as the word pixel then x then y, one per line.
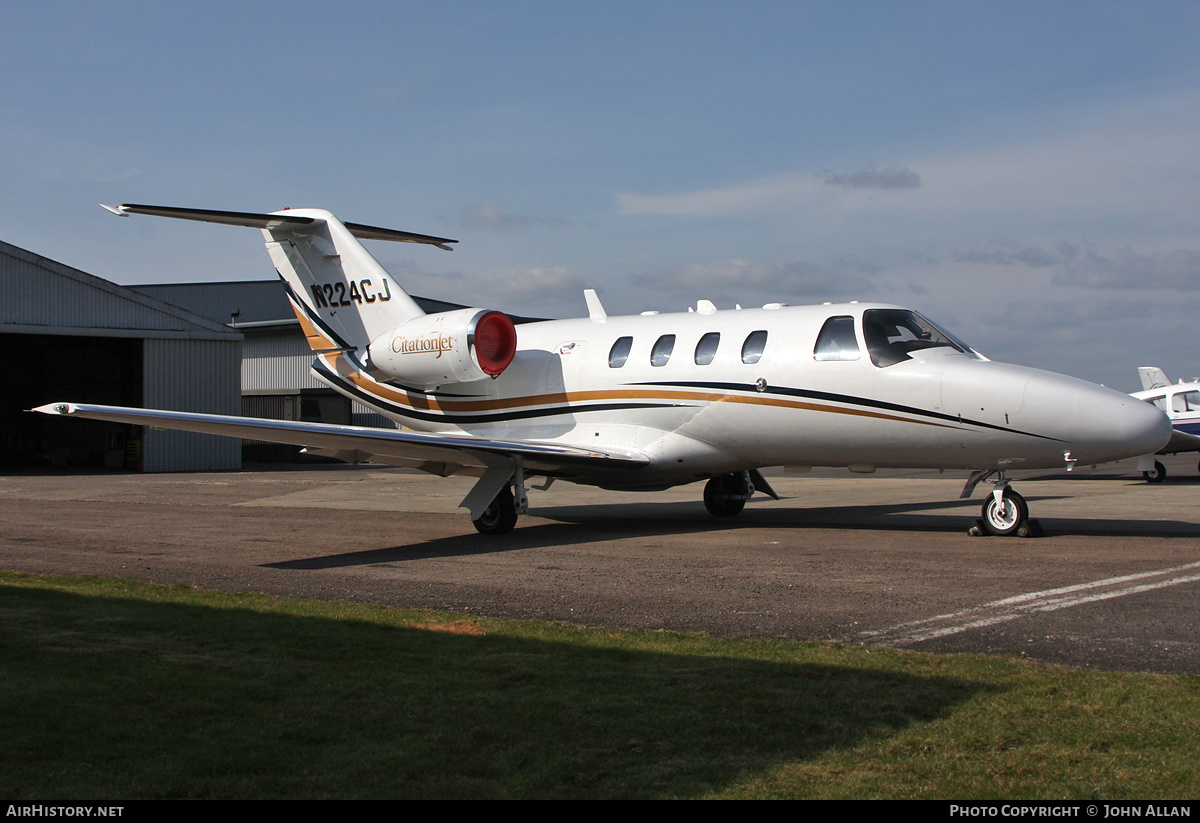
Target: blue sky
pixel 1026 174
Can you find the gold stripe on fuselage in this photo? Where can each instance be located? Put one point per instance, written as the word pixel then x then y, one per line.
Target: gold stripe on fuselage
pixel 423 402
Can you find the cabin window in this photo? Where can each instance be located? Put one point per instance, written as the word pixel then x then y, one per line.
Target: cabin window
pixel 706 349
pixel 837 341
pixel 891 334
pixel 661 352
pixel 619 352
pixel 1187 401
pixel 752 349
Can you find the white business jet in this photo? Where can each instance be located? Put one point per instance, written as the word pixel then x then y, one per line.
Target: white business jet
pixel 1181 402
pixel 658 400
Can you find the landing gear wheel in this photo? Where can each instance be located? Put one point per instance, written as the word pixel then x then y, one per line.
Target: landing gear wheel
pixel 1156 475
pixel 499 517
pixel 721 496
pixel 1007 517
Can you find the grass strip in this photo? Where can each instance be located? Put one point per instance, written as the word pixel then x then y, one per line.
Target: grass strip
pixel 117 689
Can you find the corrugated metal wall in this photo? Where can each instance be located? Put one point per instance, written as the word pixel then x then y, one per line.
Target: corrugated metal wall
pixel 280 361
pixel 192 375
pixel 277 361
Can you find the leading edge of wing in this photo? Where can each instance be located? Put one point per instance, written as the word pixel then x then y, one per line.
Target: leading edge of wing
pixel 465 450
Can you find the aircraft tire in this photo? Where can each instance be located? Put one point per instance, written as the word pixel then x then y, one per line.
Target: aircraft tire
pixel 499 517
pixel 1006 518
pixel 719 499
pixel 1156 475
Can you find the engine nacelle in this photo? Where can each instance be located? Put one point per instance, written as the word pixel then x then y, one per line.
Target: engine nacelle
pixel 449 347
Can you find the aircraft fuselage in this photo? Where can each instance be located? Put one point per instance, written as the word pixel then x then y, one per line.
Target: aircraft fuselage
pixel 702 404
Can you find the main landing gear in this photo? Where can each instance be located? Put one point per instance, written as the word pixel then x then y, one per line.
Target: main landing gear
pixel 497 498
pixel 1157 474
pixel 1004 512
pixel 726 494
pixel 500 516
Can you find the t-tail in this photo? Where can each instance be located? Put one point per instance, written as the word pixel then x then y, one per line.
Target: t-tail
pixel 347 302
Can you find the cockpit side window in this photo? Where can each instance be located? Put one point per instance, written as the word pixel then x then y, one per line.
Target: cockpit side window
pixel 891 334
pixel 752 349
pixel 620 352
pixel 1159 401
pixel 837 341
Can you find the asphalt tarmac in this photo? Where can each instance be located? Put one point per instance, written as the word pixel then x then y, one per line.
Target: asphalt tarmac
pixel 882 559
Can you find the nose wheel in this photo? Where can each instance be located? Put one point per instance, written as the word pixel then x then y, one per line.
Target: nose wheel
pixel 1006 515
pixel 1004 511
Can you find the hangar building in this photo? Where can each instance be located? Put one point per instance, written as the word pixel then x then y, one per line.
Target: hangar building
pixel 219 347
pixel 276 381
pixel 74 336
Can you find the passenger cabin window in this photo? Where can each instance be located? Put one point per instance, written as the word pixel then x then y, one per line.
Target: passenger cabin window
pixel 891 334
pixel 619 352
pixel 752 349
pixel 706 349
pixel 661 352
pixel 837 341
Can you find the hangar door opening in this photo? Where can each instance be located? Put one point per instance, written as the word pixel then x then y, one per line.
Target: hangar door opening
pixel 47 368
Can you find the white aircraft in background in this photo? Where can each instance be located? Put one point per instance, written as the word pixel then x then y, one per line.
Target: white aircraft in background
pixel 658 400
pixel 1181 402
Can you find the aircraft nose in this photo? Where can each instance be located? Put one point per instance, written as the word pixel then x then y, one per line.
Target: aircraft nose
pixel 1114 426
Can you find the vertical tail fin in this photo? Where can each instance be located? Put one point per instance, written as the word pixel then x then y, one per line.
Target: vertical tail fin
pixel 342 296
pixel 1152 377
pixel 335 284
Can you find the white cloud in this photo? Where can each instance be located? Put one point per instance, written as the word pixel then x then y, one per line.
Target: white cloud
pixel 1126 269
pixel 484 217
pixel 1132 160
pixel 1086 266
pixel 870 177
pixel 776 192
pixel 755 281
pixel 533 291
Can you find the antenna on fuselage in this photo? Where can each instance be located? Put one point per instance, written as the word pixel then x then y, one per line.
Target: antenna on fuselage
pixel 595 308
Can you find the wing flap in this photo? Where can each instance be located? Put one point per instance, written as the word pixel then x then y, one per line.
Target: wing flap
pixel 367 444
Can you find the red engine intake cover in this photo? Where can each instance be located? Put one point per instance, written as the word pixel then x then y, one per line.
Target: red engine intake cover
pixel 495 342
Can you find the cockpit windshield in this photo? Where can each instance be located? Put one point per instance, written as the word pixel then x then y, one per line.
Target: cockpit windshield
pixel 891 334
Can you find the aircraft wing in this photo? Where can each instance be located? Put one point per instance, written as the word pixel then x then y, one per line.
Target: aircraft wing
pixel 1181 441
pixel 442 454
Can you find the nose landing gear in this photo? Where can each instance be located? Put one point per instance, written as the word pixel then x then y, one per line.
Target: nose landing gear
pixel 1004 512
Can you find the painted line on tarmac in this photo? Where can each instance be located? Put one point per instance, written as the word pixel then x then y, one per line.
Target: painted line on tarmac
pixel 1022 605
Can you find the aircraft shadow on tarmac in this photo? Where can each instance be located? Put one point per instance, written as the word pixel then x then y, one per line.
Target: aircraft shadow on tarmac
pixel 580 525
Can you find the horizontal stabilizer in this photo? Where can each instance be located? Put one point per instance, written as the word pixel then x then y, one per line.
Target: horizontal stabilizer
pixel 278 220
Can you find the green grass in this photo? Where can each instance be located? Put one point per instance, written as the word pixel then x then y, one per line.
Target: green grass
pixel 119 689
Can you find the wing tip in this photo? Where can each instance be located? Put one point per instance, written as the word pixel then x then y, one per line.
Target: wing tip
pixel 54 408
